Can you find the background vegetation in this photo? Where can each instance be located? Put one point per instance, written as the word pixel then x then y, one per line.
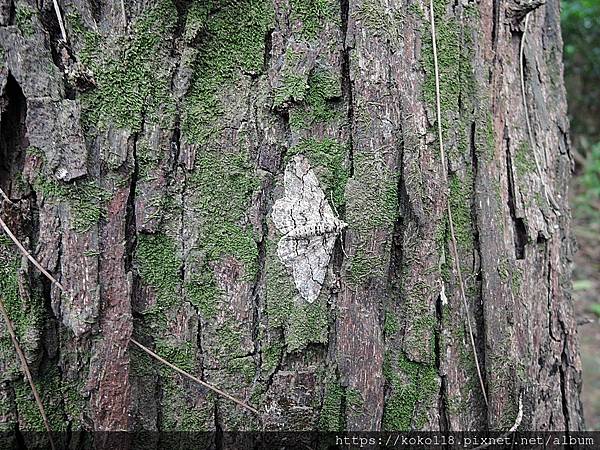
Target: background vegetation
pixel 581 35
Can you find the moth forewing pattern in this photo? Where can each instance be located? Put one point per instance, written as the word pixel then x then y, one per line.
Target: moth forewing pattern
pixel 309 228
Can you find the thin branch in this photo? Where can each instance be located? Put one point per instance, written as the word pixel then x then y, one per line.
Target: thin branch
pixel 60 20
pixel 461 286
pixel 124 12
pixel 547 192
pixel 147 350
pixel 193 378
pixel 5 197
pixel 28 255
pixel 26 370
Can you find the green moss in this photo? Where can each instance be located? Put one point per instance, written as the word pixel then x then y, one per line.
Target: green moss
pixel 461 192
pixel 328 157
pixel 184 412
pixel 416 11
pixel 317 108
pixel 375 196
pixel 331 416
pixel 245 367
pixel 280 289
pixel 223 185
pixel 271 355
pixel 307 323
pixel 414 387
pixel 490 141
pixel 391 325
pixel 422 336
pixel 184 409
pixel 140 363
pixel 48 387
pixel 158 265
pixel 182 354
pixel 365 264
pixel 229 339
pixel 523 160
pixel 196 20
pixel 354 399
pixel 293 88
pixel 381 19
pixel 148 160
pixel 24 19
pixel 87 39
pixel 504 270
pixel 456 77
pixel 74 402
pixel 512 274
pixel 233 44
pixel 26 314
pixel 132 85
pixel 372 13
pixel 302 322
pixel 517 280
pixel 313 15
pixel 449 58
pixel 202 292
pixel 87 200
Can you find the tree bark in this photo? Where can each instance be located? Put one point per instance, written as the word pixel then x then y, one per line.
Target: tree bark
pixel 144 155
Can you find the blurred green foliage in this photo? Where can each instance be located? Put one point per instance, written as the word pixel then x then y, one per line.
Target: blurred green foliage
pixel 590 176
pixel 581 34
pixel 586 201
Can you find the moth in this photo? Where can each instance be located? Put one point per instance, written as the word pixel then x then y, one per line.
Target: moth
pixel 309 228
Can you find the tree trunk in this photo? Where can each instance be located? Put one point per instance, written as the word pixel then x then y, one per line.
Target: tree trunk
pixel 143 158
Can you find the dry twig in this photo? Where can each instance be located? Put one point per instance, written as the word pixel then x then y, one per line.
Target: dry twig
pixel 124 13
pixel 5 197
pixel 29 257
pixel 150 352
pixel 193 378
pixel 453 245
pixel 26 370
pixel 61 23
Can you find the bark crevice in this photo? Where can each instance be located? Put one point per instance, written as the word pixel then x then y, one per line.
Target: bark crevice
pixel 519 230
pixel 347 83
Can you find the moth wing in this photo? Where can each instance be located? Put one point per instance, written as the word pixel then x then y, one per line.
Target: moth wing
pixel 307 259
pixel 302 185
pixel 289 213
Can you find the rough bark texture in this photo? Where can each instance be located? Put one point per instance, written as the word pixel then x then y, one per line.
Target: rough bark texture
pixel 143 159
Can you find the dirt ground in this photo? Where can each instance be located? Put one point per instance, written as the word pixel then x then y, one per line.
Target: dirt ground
pixel 586 285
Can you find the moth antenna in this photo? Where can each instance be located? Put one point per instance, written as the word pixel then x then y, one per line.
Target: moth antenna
pixel 24 251
pixel 25 367
pixel 547 192
pixel 453 245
